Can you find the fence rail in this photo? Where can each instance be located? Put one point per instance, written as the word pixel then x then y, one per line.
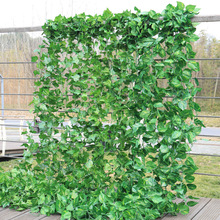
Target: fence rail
pixel 32 78
pixel 197 18
pixel 18 62
pixel 70 95
pixel 157 59
pixel 21 29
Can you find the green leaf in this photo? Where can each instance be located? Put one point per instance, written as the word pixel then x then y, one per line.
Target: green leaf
pixel 190 161
pixel 75 60
pixel 138 166
pixel 159 65
pixel 43 107
pixel 196 10
pixel 195 90
pixel 74 195
pixel 193 65
pixel 158 105
pixel 176 83
pixel 164 149
pixel 191 186
pixel 192 203
pixel 77 92
pixel 194 38
pixel 190 137
pixel 180 6
pixel 196 81
pixel 153 121
pixel 107 83
pixel 187 74
pixel 34 59
pixel 102 198
pixel 176 120
pixel 161 127
pixel 196 107
pixel 157 199
pixel 150 166
pixel 189 179
pixel 76 77
pixel 107 14
pixel 182 104
pixel 36 72
pixel 184 209
pixel 42 125
pixel 152 14
pixel 66 215
pixel 84 96
pixel 192 197
pixel 190 8
pixel 151 181
pixel 197 130
pixel 89 164
pixel 199 122
pixel 108 166
pixel 37 83
pixel 176 134
pixel 20 209
pixel 37 51
pixel 170 40
pixel 136 126
pixel 59 206
pixel 70 207
pixel 41 199
pixel 162 53
pixel 44 210
pixel 144 114
pixel 47 60
pixel 35 209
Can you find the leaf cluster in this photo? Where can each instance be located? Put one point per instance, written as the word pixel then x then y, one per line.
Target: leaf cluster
pixel 135 165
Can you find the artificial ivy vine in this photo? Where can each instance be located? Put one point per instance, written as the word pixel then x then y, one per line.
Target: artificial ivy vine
pixel 124 81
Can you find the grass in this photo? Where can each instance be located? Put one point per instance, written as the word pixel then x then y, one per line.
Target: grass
pixel 207 186
pixel 210 122
pixel 9 165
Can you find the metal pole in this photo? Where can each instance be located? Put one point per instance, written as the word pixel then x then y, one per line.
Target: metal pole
pixel 2 94
pixel 3 127
pixel 216 86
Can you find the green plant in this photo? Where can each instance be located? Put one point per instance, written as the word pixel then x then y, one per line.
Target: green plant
pixel 90 66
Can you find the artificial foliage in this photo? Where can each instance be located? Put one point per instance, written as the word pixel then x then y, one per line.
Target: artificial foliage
pixel 124 81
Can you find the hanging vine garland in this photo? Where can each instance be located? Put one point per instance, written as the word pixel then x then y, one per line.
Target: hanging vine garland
pixel 124 154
